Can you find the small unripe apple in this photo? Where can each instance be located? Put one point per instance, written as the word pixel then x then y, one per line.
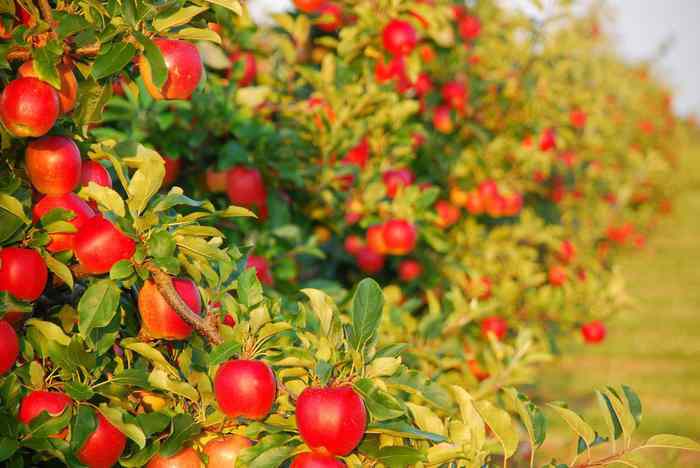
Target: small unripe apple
pixel 245 388
pixel 409 270
pixel 331 17
pixel 442 119
pixel 262 269
pixel 93 171
pixel 61 242
pixel 23 273
pixel 68 94
pixel 29 107
pixel 332 420
pixel 593 332
pixel 497 326
pixel 9 347
pixel 99 244
pixel 557 275
pixel 399 37
pixel 53 164
pixel 159 320
pixel 185 70
pixel 315 460
pixel 400 236
pixel 469 27
pixel 250 67
pixel 448 214
pixel 103 447
pixel 223 452
pixel 396 179
pixel 308 6
pixel 369 260
pixel 185 458
pixel 38 401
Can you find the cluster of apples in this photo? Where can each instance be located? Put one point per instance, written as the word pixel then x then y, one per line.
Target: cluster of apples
pixel 244 186
pixel 488 198
pixel 393 237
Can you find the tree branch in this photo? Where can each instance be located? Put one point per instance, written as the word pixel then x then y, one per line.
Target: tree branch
pixel 47 13
pixel 204 326
pixel 22 54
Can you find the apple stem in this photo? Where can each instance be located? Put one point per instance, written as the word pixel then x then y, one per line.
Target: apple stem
pixel 205 326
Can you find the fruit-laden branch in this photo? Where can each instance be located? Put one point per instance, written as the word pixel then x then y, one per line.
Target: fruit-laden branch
pixel 164 283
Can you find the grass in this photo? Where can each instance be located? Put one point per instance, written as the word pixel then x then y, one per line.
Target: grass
pixel 654 348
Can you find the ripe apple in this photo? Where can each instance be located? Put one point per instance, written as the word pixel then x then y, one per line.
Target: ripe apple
pixel 442 119
pixel 53 164
pixel 308 6
pixel 223 452
pixel 331 420
pixel 23 273
pixel 387 71
pixel 315 460
pixel 455 95
pixel 578 118
pixel 369 260
pixel 9 347
pixel 61 242
pixel 93 171
pixel 103 447
pixel 29 107
pixel 548 139
pixel 358 155
pixel 400 236
pixel 593 332
pixel 567 251
pixel 469 27
pixel 159 320
pixel 250 67
pixel 68 94
pixel 409 270
pixel 494 325
pixel 245 187
pixel 375 238
pixel 99 244
pixel 399 37
pixel 172 170
pixel 475 203
pixel 245 388
pixel 262 269
pixel 24 16
pixel 216 180
pixel 185 70
pixel 557 275
pixel 185 458
pixel 331 17
pixel 423 84
pixel 353 244
pixel 448 214
pixel 395 179
pixel 38 401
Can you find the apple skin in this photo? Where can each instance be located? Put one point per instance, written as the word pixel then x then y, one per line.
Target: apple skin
pixel 332 11
pixel 61 242
pixel 494 325
pixel 455 95
pixel 103 447
pixel 448 214
pixel 469 27
pixel 68 94
pixel 39 401
pixel 9 347
pixel 423 84
pixel 593 332
pixel 215 180
pixel 477 371
pixel 185 70
pixel 578 118
pixel 53 164
pixel 250 67
pixel 331 421
pixel 23 273
pixel 245 388
pixel 369 260
pixel 99 244
pixel 185 458
pixel 410 270
pixel 172 170
pixel 245 187
pixel 399 37
pixel 400 236
pixel 353 244
pixel 159 320
pixel 29 107
pixel 308 6
pixel 567 251
pixel 314 460
pixel 557 275
pixel 223 452
pixel 548 139
pixel 93 171
pixel 442 119
pixel 395 179
pixel 358 155
pixel 262 269
pixel 375 238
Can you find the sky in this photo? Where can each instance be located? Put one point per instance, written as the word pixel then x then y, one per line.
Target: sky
pixel 642 28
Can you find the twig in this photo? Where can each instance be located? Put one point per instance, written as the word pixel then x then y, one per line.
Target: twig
pixel 204 326
pixel 47 13
pixel 22 54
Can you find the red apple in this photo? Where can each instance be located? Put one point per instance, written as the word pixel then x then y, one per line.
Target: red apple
pixel 358 155
pixel 395 179
pixel 332 420
pixel 61 242
pixel 455 94
pixel 548 140
pixel 442 119
pixel 103 447
pixel 485 288
pixel 494 325
pixel 223 452
pixel 331 17
pixel 308 6
pixel 593 332
pixel 185 458
pixel 387 71
pixel 475 203
pixel 99 244
pixel 38 401
pixel 469 27
pixel 185 70
pixel 68 94
pixel 557 275
pixel 477 371
pixel 314 460
pixel 262 269
pixel 245 388
pixel 400 236
pixel 409 270
pixel 172 170
pixel 250 68
pixel 159 320
pixel 375 238
pixel 93 171
pixel 578 118
pixel 353 244
pixel 245 187
pixel 423 84
pixel 567 251
pixel 399 37
pixel 29 107
pixel 216 180
pixel 369 261
pixel 9 347
pixel 448 214
pixel 24 16
pixel 23 273
pixel 53 164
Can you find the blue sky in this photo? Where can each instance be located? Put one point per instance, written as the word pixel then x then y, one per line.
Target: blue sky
pixel 640 29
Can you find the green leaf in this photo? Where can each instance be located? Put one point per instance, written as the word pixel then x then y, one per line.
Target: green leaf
pixel 271 458
pixel 415 383
pixel 78 391
pixel 51 331
pixel 233 5
pixel 11 204
pixel 198 34
pixel 152 354
pixel 670 441
pixel 45 61
pixel 366 313
pixel 97 306
pixel 153 423
pixel 45 424
pixel 249 288
pixel 159 71
pixel 236 212
pixel 399 457
pixel 105 197
pixel 92 98
pixel 576 423
pixel 112 59
pixel 634 404
pixel 402 429
pixel 59 269
pixel 382 405
pixel 179 17
pixel 116 417
pixel 627 421
pixel 159 379
pixel 184 429
pixel 501 424
pixel 83 426
pixel 532 417
pixel 121 270
pixel 223 352
pixel 8 447
pixel 324 308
